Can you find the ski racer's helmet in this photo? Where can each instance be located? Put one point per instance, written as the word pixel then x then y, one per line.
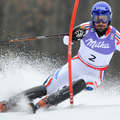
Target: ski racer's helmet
pixel 101 11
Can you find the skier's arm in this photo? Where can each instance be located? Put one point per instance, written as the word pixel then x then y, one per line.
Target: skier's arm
pixel 117 40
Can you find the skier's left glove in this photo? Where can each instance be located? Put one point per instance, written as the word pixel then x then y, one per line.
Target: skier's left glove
pixel 79 33
pixel 66 40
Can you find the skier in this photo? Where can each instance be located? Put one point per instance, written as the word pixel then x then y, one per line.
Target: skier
pixel 98 41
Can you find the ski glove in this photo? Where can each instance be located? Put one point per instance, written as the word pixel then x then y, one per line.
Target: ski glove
pixel 79 33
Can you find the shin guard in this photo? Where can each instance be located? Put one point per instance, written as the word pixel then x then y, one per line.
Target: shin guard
pixel 36 92
pixel 63 94
pixel 33 93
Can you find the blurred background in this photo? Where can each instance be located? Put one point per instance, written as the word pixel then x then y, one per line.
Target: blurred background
pixel 30 18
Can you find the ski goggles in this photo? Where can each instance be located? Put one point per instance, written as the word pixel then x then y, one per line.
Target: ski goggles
pixel 103 18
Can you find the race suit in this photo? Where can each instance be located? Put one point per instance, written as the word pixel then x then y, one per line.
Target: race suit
pixel 90 63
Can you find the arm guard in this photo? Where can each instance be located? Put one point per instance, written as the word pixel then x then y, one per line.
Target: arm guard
pixel 79 33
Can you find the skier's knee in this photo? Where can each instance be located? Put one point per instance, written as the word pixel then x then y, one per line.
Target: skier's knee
pixel 78 86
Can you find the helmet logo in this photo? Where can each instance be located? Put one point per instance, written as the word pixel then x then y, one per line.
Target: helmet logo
pixel 101 8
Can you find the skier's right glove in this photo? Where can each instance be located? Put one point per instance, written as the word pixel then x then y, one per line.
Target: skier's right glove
pixel 78 33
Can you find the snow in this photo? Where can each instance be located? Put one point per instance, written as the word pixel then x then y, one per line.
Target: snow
pixel 17 75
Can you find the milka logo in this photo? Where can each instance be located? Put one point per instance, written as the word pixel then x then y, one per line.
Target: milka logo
pixel 96 44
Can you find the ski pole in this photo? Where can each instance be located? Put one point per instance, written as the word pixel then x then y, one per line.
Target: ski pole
pixel 35 38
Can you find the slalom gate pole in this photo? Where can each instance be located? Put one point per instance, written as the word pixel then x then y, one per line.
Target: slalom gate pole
pixel 35 38
pixel 70 51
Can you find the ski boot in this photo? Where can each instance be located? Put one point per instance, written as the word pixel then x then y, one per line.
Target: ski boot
pixel 42 103
pixel 3 106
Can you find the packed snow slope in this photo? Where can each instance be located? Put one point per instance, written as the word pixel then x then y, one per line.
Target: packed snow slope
pixel 17 74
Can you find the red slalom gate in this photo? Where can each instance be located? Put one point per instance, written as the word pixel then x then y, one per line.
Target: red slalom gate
pixel 70 51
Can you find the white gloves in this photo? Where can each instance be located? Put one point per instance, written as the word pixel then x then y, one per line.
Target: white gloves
pixel 66 40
